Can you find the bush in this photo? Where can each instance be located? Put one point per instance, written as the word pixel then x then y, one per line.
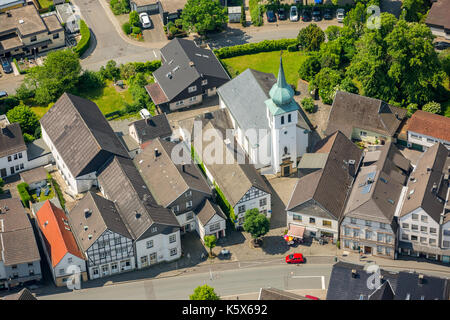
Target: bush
pixel 308 104
pixel 432 107
pixel 58 191
pixel 85 39
pixel 120 6
pixel 8 103
pixel 28 137
pixel 18 67
pixel 126 27
pixel 136 30
pixel 243 17
pixel 90 80
pixel 250 48
pixel 292 48
pixel 134 19
pixel 412 107
pixel 24 194
pixel 148 66
pixel 256 11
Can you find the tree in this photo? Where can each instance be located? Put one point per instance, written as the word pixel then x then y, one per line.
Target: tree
pixel 432 107
pixel 90 80
pixel 356 18
pixel 120 6
pixel 256 223
pixel 134 19
pixel 204 292
pixel 57 75
pixel 127 70
pixel 210 242
pixel 308 104
pixel 332 32
pixel 347 85
pixel 2 183
pixel 331 54
pixel 412 107
pixel 309 68
pixel 243 17
pixel 327 81
pixel 25 117
pixel 110 71
pixel 126 27
pixel 413 10
pixel 311 37
pixel 203 15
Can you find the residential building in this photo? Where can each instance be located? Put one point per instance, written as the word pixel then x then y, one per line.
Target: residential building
pixel 188 74
pixel 437 18
pixel 13 151
pixel 277 294
pixel 80 139
pixel 154 229
pixel 180 187
pixel 350 282
pixel 369 223
pixel 318 200
pixel 6 5
pixel 170 10
pixel 148 6
pixel 423 217
pixel 151 128
pixel 268 122
pixel 363 118
pixel 24 32
pixel 102 236
pixel 38 154
pixel 34 178
pixel 20 261
pixel 425 129
pixel 61 249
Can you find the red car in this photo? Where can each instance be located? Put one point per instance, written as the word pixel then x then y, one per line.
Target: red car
pixel 295 258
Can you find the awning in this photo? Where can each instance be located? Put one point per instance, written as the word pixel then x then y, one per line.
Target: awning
pixel 296 231
pixel 318 1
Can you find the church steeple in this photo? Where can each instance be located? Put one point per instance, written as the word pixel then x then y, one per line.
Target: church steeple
pixel 281 92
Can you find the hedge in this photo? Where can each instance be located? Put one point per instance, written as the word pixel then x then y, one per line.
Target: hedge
pixel 85 39
pixel 148 66
pixel 251 48
pixel 24 194
pixel 57 190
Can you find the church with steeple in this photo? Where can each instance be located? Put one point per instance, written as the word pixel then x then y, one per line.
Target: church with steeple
pixel 267 121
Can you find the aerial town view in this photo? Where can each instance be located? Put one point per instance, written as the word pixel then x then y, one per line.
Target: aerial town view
pixel 234 150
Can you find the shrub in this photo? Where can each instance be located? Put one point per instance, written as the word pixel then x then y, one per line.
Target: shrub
pixel 28 137
pixel 126 27
pixel 292 48
pixel 58 191
pixel 250 48
pixel 120 6
pixel 148 66
pixel 90 80
pixel 85 39
pixel 136 30
pixel 243 17
pixel 24 194
pixel 18 67
pixel 308 104
pixel 412 107
pixel 432 107
pixel 134 19
pixel 256 11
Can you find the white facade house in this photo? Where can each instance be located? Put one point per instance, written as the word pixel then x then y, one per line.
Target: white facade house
pixel 158 248
pixel 13 151
pixel 315 226
pixel 425 129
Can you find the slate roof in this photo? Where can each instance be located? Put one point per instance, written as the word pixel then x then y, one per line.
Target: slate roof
pixel 178 54
pixel 154 127
pixel 207 210
pixel 36 149
pixel 277 294
pixel 377 188
pixel 17 242
pixel 103 215
pixel 81 134
pixel 23 294
pixel 330 185
pixel 350 111
pixel 167 180
pixel 430 288
pixel 420 193
pixel 122 184
pixel 438 15
pixel 34 175
pixel 11 140
pixel 58 236
pixel 430 124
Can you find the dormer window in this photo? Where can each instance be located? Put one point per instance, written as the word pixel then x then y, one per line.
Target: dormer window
pixel 192 89
pixel 204 82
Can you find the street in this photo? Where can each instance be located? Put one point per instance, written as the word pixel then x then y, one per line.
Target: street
pixel 246 279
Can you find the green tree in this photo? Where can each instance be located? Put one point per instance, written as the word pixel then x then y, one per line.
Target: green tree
pixel 256 223
pixel 110 71
pixel 204 292
pixel 203 15
pixel 311 37
pixel 243 17
pixel 127 70
pixel 120 6
pixel 356 18
pixel 412 107
pixel 2 183
pixel 126 27
pixel 57 75
pixel 413 10
pixel 308 104
pixel 333 32
pixel 432 107
pixel 327 81
pixel 348 85
pixel 134 19
pixel 331 54
pixel 25 117
pixel 210 242
pixel 309 68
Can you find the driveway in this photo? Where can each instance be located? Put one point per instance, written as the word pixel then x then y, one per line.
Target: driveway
pixel 10 82
pixel 156 32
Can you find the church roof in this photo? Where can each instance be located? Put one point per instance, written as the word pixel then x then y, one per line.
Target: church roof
pixel 281 95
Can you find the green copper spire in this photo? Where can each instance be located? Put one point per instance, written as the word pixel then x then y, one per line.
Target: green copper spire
pixel 281 92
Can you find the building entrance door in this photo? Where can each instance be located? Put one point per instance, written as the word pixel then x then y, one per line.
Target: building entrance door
pixel 367 250
pixel 3 172
pixel 153 258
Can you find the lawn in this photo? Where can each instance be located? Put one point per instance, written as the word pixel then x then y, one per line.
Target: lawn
pixel 268 62
pixel 45 3
pixel 43 197
pixel 108 100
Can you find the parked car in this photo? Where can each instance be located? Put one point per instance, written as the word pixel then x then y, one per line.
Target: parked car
pixel 271 16
pixel 293 16
pixel 328 14
pixel 306 15
pixel 441 45
pixel 281 14
pixel 3 94
pixel 6 66
pixel 295 258
pixel 316 14
pixel 145 20
pixel 340 15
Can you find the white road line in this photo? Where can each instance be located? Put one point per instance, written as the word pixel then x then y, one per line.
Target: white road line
pixel 323 283
pixel 155 54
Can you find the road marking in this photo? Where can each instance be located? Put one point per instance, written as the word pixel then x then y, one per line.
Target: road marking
pixel 155 54
pixel 321 277
pixel 323 283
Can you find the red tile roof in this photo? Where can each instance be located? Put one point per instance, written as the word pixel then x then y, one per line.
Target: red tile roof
pixel 59 238
pixel 430 124
pixel 156 93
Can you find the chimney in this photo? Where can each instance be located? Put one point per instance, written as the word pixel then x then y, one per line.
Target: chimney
pixel 351 167
pixel 434 189
pixel 8 14
pixel 354 273
pixel 156 153
pixel 421 279
pixel 191 63
pixel 87 213
pixel 182 166
pixel 428 169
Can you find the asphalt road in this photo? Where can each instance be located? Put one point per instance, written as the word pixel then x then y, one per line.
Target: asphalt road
pixel 248 278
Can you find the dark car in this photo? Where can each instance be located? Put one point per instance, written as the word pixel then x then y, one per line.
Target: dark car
pixel 3 94
pixel 271 16
pixel 441 45
pixel 306 15
pixel 6 66
pixel 282 14
pixel 316 14
pixel 328 14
